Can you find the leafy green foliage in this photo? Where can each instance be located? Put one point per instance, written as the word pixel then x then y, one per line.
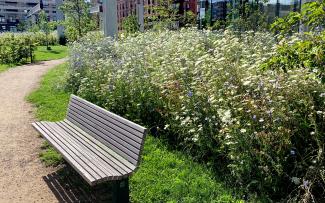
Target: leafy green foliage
pixel 77 19
pixel 16 48
pixel 247 15
pixel 295 53
pixel 45 26
pixel 287 25
pixel 312 15
pixel 20 47
pixel 301 50
pixel 163 15
pixel 188 19
pixel 130 24
pixel 206 94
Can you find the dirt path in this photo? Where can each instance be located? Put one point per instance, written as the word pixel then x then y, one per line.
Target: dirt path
pixel 21 172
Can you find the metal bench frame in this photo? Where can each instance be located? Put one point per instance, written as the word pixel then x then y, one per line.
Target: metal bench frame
pixel 99 145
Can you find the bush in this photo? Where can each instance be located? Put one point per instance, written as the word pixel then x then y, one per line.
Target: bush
pixel 19 47
pixel 205 93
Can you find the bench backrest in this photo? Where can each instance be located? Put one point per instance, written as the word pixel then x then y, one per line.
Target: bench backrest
pixel 122 136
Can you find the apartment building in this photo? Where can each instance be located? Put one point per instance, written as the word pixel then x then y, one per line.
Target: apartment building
pixel 128 7
pixel 14 11
pixel 186 5
pixel 273 8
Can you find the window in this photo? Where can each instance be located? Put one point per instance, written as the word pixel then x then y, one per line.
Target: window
pixel 12 10
pixel 2 19
pixel 10 3
pixel 31 4
pixel 13 29
pixel 12 19
pixel 3 27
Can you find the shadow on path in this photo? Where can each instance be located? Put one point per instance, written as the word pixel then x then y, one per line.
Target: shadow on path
pixel 68 186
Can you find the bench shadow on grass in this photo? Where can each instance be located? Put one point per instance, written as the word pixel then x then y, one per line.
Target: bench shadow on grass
pixel 68 186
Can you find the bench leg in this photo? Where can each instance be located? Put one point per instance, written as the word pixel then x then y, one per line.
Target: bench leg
pixel 121 191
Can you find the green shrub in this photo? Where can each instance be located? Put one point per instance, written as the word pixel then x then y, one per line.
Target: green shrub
pixel 19 47
pixel 205 93
pixel 303 50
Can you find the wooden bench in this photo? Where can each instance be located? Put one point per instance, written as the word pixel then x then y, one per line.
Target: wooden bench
pixel 99 145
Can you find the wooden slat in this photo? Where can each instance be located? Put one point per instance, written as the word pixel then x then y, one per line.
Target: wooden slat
pixel 88 156
pixel 131 157
pixel 77 166
pixel 95 122
pixel 117 168
pixel 108 125
pixel 116 158
pixel 124 129
pixel 112 115
pixel 75 153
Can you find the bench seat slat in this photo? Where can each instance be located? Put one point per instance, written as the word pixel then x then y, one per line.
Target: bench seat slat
pixel 75 164
pixel 76 153
pixel 106 150
pixel 98 135
pixel 81 157
pixel 88 156
pixel 106 131
pixel 113 116
pixel 109 156
pixel 121 133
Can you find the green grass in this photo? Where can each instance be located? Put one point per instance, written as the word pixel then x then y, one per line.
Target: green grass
pixel 51 101
pixel 42 54
pixel 49 156
pixel 56 52
pixel 4 67
pixel 169 176
pixel 163 175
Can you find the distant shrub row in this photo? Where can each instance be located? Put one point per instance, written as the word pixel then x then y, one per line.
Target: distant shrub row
pixel 19 47
pixel 206 94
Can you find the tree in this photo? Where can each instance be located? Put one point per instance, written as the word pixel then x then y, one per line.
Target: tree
pixel 312 16
pixel 305 50
pixel 22 26
pixel 130 24
pixel 45 26
pixel 162 15
pixel 189 19
pixel 78 20
pixel 247 15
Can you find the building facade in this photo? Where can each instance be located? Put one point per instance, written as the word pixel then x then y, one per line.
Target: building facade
pixel 14 11
pixel 129 7
pixel 273 8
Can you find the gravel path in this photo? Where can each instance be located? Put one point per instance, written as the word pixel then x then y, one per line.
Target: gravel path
pixel 21 172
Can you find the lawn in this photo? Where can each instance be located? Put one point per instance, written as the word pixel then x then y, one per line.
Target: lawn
pixel 3 67
pixel 163 175
pixel 56 52
pixel 42 54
